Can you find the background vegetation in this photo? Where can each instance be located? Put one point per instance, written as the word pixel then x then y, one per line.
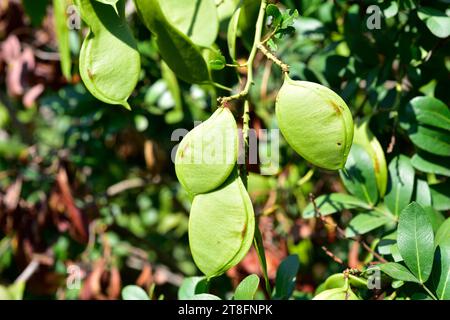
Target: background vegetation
pixel 92 185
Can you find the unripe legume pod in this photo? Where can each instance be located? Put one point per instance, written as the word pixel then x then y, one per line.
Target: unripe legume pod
pixel 109 60
pixel 221 227
pixel 208 153
pixel 316 123
pixel 337 294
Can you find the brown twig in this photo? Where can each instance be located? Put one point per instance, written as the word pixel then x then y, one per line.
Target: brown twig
pixel 341 232
pixel 284 67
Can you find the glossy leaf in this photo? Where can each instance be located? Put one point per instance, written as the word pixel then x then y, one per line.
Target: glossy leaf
pixel 398 272
pixel 246 290
pixel 208 153
pixel 221 227
pixel 364 137
pixel 316 123
pixel 443 232
pixel 109 60
pixel 443 288
pixel 437 21
pixel 334 202
pixel 430 111
pixel 359 175
pixel 197 19
pixel 286 277
pixel 440 196
pixel 131 292
pixel 365 222
pixel 431 140
pixel 423 194
pixel 426 162
pixel 415 241
pixel 177 50
pixel 401 184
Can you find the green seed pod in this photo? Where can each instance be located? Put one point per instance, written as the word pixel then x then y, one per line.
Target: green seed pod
pixel 208 153
pixel 315 122
pixel 221 227
pixel 109 60
pixel 337 294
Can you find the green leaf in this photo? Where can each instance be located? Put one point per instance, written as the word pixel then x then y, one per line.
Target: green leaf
pixel 359 175
pixel 134 293
pixel 443 288
pixel 430 111
pixel 400 186
pixel 232 33
pixel 423 194
pixel 415 241
pixel 247 288
pixel 442 233
pixel 436 218
pixel 197 19
pixel 286 277
pixel 62 35
pixel 177 50
pixel 273 11
pixel 431 140
pixel 192 286
pixel 384 246
pixel 437 21
pixel 426 162
pixel 398 272
pixel 204 296
pixel 440 196
pixel 365 222
pixel 334 202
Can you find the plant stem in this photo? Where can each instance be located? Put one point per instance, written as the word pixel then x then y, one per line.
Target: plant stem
pixel 284 67
pixel 251 57
pixel 257 240
pixel 429 292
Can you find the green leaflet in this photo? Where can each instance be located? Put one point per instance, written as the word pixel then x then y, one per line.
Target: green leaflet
pixel 232 33
pixel 109 60
pixel 401 184
pixel 334 202
pixel 365 137
pixel 398 272
pixel 132 292
pixel 177 50
pixel 365 222
pixel 443 288
pixel 221 227
pixel 208 153
pixel 359 175
pixel 197 19
pixel 62 34
pixel 246 290
pixel 286 277
pixel 316 123
pixel 192 286
pixel 415 241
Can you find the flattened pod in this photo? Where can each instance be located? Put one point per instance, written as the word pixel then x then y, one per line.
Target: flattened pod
pixel 208 153
pixel 109 60
pixel 316 123
pixel 221 227
pixel 337 294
